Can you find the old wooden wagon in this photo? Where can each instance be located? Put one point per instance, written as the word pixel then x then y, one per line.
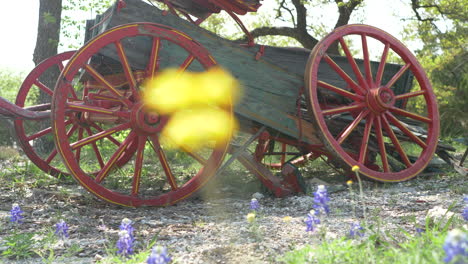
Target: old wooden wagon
pixel 371 107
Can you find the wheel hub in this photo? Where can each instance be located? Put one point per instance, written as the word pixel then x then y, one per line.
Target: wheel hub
pixel 145 122
pixel 380 99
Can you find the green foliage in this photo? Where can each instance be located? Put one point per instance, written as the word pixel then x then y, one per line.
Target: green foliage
pixel 19 245
pixel 10 83
pixel 442 27
pixel 74 16
pixel 379 247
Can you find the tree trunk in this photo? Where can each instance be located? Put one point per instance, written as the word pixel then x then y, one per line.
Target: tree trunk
pixel 50 12
pixel 48 35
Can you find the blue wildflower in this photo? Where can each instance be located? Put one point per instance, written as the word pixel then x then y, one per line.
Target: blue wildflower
pixel 456 247
pixel 16 214
pixel 158 256
pixel 420 230
pixel 254 205
pixel 126 224
pixel 311 221
pixel 125 243
pixel 465 213
pixel 61 229
pixel 356 230
pixel 321 199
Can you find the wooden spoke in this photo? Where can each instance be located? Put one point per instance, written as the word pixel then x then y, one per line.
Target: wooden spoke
pixel 186 63
pixel 51 156
pixel 78 151
pixel 95 137
pixel 353 64
pixel 344 75
pixel 343 109
pixel 138 165
pixel 71 91
pixel 113 159
pixel 340 91
pixel 402 112
pixel 365 138
pixel 347 131
pixel 43 87
pixel 96 149
pixel 98 77
pixel 194 155
pixel 163 160
pixel 40 134
pixel 98 128
pixel 60 66
pixel 397 75
pixel 395 141
pixel 81 107
pixel 381 143
pixel 367 65
pixel 127 70
pixel 54 152
pixel 405 130
pixel 383 61
pixel 409 95
pixel 153 61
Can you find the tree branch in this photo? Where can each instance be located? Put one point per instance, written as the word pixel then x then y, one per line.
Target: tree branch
pixel 345 10
pixel 306 40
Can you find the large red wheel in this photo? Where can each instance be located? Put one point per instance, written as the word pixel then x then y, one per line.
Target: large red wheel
pixel 359 105
pixel 35 136
pixel 156 175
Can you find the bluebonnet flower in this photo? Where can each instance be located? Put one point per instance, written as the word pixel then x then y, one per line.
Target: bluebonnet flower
pixel 321 199
pixel 311 221
pixel 356 230
pixel 126 224
pixel 125 243
pixel 61 229
pixel 456 247
pixel 254 205
pixel 158 256
pixel 465 213
pixel 420 230
pixel 16 214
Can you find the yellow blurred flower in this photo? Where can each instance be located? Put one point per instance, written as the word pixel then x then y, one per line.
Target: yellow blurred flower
pixel 349 183
pixel 250 217
pixel 199 105
pixel 172 90
pixel 287 219
pixel 196 128
pixel 355 168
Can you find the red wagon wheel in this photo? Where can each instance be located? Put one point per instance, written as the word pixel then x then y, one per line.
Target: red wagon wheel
pixel 34 134
pixel 156 175
pixel 365 118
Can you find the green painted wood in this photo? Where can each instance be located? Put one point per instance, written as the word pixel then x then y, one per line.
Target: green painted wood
pixel 270 85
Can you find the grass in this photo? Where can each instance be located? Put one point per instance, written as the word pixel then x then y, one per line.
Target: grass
pixel 382 247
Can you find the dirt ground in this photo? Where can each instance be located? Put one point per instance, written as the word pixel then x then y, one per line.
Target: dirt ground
pixel 211 226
